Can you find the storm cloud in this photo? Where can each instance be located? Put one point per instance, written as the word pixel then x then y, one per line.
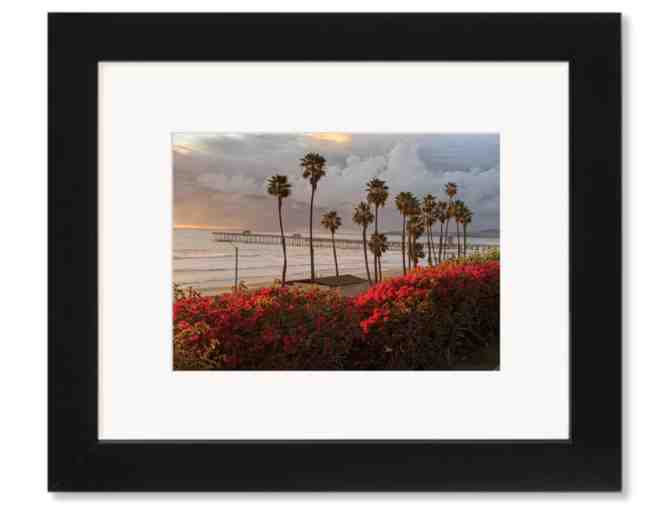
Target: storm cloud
pixel 219 179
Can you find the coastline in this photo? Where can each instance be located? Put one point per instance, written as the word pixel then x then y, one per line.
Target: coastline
pixel 349 290
pixel 208 266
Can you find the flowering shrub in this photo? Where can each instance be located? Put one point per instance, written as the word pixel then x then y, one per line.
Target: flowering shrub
pixel 272 328
pixel 429 319
pixel 432 318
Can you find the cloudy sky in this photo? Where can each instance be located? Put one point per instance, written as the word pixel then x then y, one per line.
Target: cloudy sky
pixel 220 178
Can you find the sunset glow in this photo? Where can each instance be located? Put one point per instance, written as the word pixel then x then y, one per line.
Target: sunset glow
pixel 202 227
pixel 183 149
pixel 332 137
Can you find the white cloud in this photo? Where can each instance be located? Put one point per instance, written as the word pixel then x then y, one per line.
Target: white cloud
pixel 230 183
pixel 420 164
pixel 403 170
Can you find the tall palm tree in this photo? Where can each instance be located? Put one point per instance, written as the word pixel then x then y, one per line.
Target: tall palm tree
pixel 332 221
pixel 415 228
pixel 451 213
pixel 435 218
pixel 449 240
pixel 451 191
pixel 378 245
pixel 383 248
pixel 442 217
pixel 458 213
pixel 313 169
pixel 279 186
pixel 403 201
pixel 377 195
pixel 364 217
pixel 418 252
pixel 429 216
pixel 466 219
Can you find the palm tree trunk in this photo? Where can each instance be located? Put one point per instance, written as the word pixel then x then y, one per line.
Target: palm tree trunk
pixel 414 252
pixel 457 234
pixel 366 255
pixel 409 253
pixel 403 241
pixel 464 238
pixel 444 243
pixel 447 243
pixel 333 246
pixel 375 256
pixel 440 242
pixel 429 245
pixel 312 253
pixel 380 268
pixel 284 246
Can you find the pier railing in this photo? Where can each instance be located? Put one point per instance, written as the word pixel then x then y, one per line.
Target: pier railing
pixel 318 242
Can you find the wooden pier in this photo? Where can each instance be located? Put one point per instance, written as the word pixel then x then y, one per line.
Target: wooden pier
pixel 297 242
pixel 318 242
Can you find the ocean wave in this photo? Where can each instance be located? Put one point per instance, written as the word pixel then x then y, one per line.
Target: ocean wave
pixel 265 267
pixel 213 256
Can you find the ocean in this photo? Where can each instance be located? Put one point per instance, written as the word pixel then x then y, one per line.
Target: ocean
pixel 206 265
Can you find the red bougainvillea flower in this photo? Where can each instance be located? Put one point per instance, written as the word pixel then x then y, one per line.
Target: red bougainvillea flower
pixel 410 321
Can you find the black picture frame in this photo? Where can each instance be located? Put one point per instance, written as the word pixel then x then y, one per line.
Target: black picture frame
pixel 589 461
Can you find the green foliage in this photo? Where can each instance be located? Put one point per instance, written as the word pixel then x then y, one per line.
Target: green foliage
pixel 431 318
pixel 184 293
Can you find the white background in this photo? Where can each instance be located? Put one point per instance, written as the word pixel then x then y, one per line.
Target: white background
pixel 647 184
pixel 141 104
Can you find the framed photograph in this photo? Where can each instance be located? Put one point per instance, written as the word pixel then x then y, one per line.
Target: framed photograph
pixel 334 252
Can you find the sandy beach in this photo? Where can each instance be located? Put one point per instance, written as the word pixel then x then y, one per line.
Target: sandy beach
pixel 349 290
pixel 210 267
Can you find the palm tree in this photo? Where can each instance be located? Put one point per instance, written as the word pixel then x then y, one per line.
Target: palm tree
pixel 313 169
pixel 377 195
pixel 458 213
pixel 364 217
pixel 451 191
pixel 451 213
pixel 466 219
pixel 415 228
pixel 403 202
pixel 429 216
pixel 442 216
pixel 383 248
pixel 378 245
pixel 332 221
pixel 279 186
pixel 418 252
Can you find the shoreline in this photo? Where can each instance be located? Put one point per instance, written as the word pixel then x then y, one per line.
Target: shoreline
pixel 348 290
